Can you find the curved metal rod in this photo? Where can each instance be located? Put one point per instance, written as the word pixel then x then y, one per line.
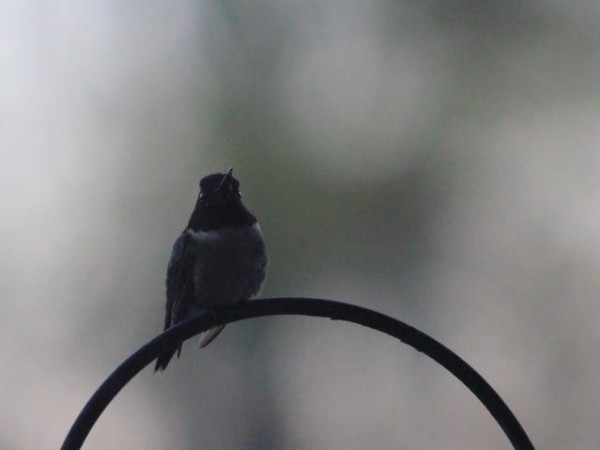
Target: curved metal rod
pixel 304 307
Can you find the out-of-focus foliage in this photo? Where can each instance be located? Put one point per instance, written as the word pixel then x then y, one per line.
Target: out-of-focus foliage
pixel 436 161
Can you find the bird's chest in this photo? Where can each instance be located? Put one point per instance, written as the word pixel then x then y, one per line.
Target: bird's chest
pixel 229 265
pixel 230 247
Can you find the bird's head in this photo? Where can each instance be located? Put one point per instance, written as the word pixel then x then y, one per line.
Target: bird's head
pixel 219 204
pixel 219 190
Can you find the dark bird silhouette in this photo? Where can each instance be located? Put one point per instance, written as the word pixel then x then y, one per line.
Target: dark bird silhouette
pixel 220 259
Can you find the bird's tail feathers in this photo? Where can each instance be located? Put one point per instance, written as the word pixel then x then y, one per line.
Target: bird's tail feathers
pixel 163 359
pixel 211 335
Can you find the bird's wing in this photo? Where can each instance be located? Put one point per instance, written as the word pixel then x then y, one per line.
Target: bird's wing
pixel 180 289
pixel 180 283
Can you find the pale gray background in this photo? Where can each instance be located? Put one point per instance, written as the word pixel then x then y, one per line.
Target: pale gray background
pixel 434 160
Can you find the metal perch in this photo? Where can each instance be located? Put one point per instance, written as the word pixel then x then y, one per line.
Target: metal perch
pixel 303 307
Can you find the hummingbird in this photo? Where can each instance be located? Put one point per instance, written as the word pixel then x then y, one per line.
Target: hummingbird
pixel 220 259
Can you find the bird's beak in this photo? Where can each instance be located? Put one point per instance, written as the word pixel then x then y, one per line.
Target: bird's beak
pixel 225 179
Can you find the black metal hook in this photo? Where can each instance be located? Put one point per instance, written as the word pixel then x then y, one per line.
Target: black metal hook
pixel 306 307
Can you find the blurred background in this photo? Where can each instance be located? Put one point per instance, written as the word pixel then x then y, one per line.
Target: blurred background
pixel 436 161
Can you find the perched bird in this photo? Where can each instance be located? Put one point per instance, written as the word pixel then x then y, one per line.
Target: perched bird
pixel 219 260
